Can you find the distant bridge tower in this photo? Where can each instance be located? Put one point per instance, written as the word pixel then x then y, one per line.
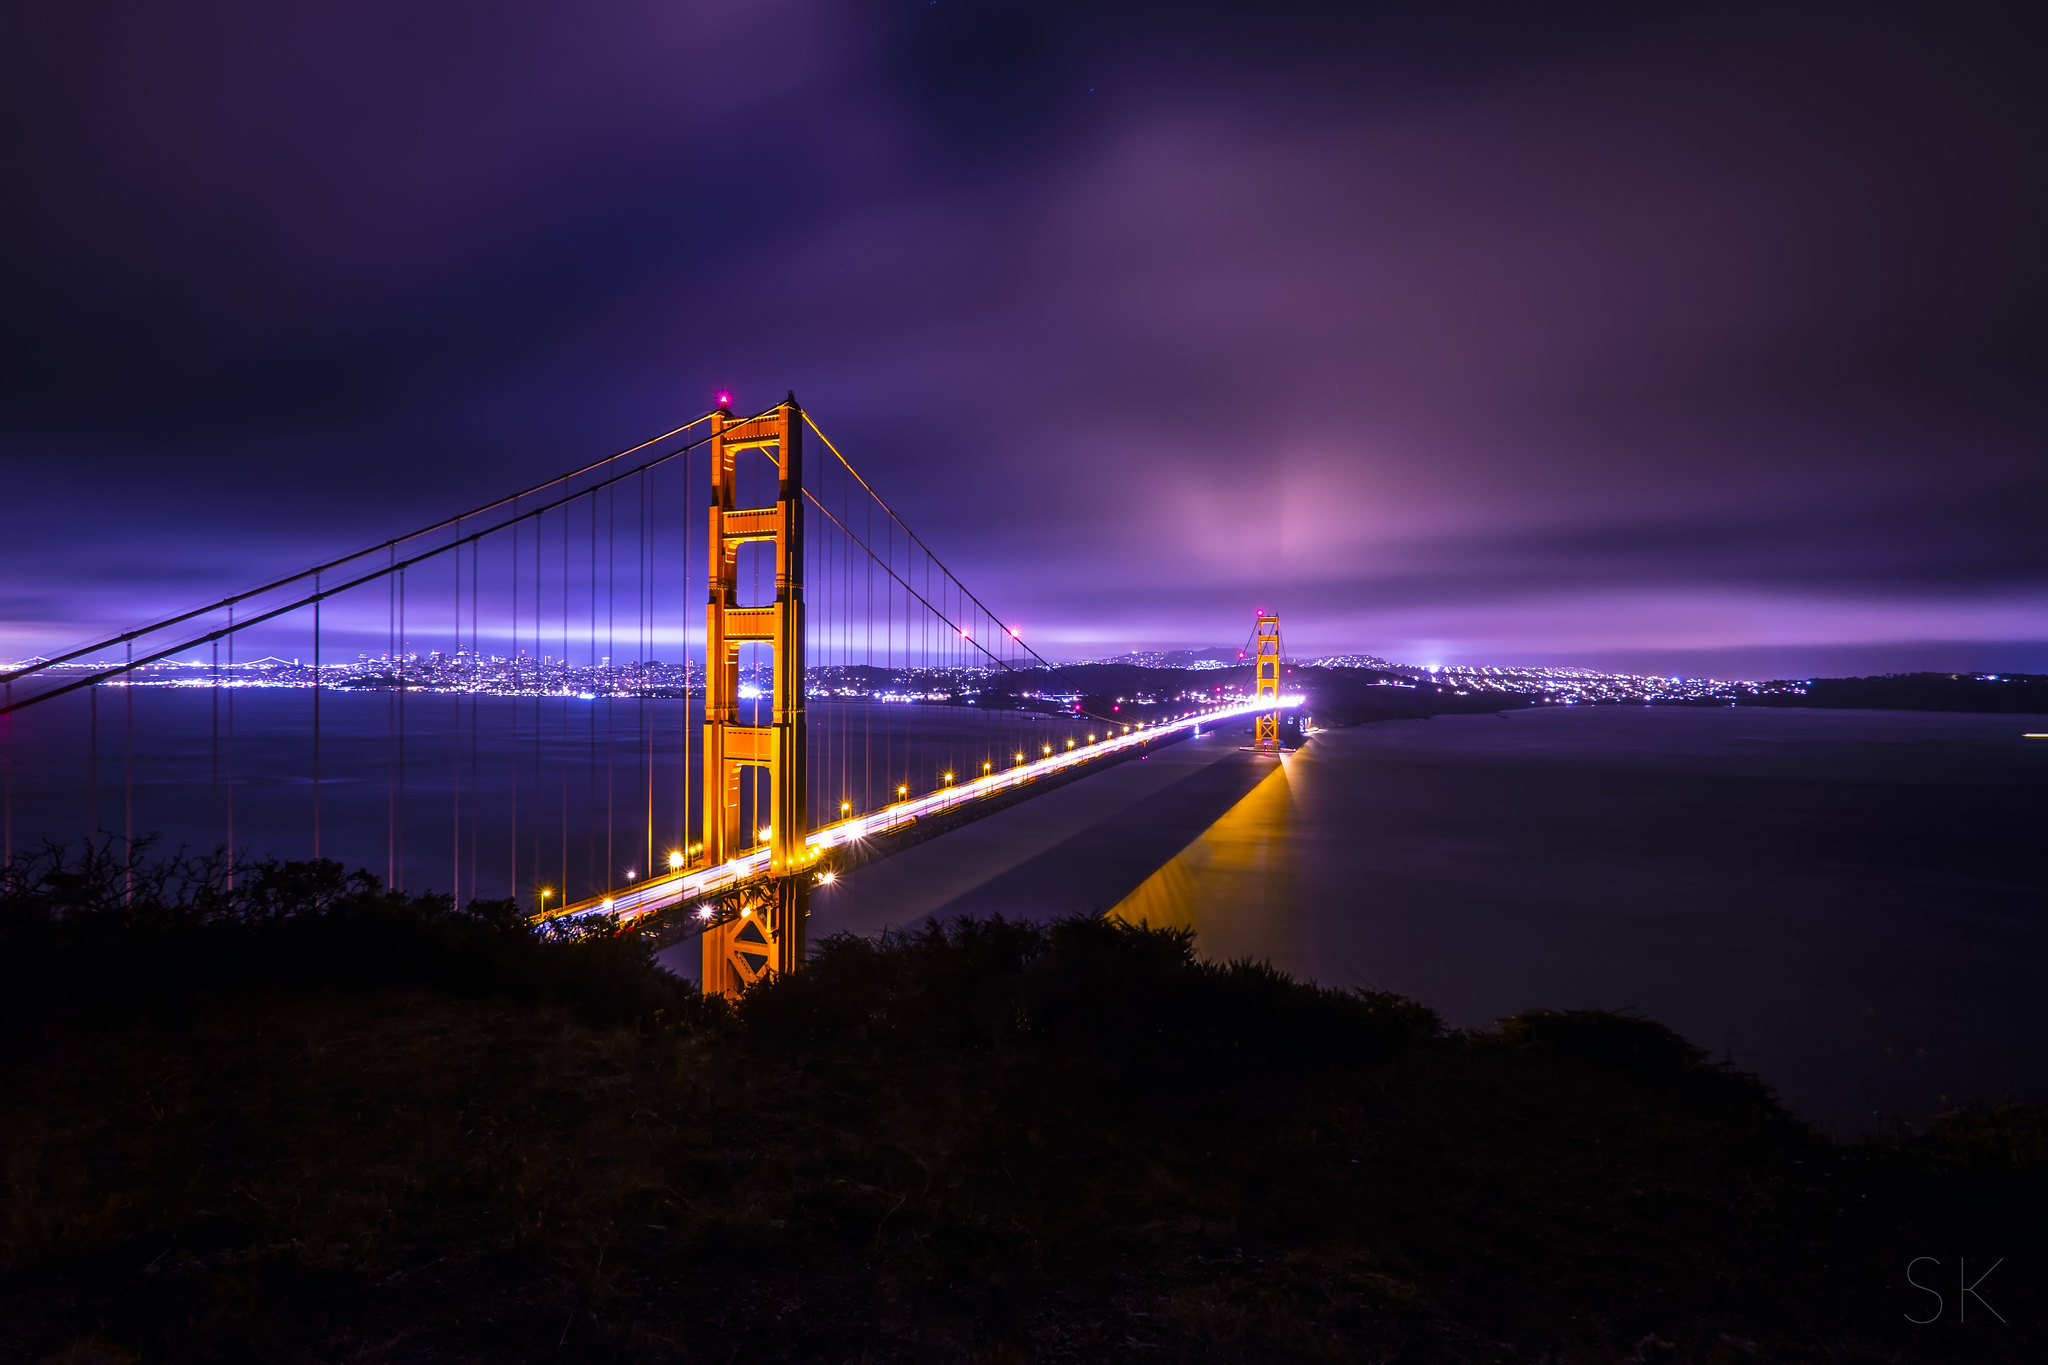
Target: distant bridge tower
pixel 1266 665
pixel 765 764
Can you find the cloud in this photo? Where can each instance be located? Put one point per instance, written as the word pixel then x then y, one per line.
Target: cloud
pixel 1415 331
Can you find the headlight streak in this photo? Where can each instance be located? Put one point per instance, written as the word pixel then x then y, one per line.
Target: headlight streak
pixel 661 893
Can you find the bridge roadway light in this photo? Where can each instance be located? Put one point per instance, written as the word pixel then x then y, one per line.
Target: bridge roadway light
pixel 902 792
pixel 846 807
pixel 763 833
pixel 949 779
pixel 675 860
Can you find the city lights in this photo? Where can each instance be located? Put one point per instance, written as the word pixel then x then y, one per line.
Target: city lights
pixel 675 860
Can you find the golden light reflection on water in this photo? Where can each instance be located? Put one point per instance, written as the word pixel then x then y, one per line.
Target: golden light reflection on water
pixel 1234 885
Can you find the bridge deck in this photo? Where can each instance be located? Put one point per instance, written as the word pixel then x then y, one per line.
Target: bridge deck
pixel 632 905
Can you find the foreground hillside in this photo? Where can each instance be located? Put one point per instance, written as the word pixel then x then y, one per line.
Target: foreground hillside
pixel 307 1120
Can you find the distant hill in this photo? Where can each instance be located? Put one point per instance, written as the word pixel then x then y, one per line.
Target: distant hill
pixel 2007 692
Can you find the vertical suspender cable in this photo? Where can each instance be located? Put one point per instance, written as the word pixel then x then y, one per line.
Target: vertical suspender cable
pixel 390 730
pixel 398 807
pixel 476 674
pixel 597 884
pixel 128 775
pixel 562 756
pixel 684 785
pixel 611 674
pixel 455 736
pixel 233 857
pixel 512 710
pixel 646 653
pixel 539 687
pixel 214 690
pixel 316 716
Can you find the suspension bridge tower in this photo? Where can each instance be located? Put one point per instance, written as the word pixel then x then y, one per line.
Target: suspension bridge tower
pixel 1266 676
pixel 754 775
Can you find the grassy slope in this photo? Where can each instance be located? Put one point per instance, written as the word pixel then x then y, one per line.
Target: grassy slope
pixel 998 1143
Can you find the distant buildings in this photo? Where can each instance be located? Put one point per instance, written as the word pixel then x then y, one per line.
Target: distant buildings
pixel 1036 689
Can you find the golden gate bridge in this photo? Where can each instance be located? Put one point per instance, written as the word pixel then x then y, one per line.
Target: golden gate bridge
pixel 823 612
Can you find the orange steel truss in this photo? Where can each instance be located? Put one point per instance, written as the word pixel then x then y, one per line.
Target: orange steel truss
pixel 768 936
pixel 1266 663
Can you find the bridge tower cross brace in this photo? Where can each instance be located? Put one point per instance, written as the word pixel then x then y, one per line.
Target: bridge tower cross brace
pixel 769 934
pixel 1266 676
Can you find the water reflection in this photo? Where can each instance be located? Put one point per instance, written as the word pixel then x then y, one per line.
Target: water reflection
pixel 1234 885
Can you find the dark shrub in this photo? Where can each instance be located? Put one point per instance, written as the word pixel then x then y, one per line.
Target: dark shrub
pixel 1125 995
pixel 108 927
pixel 1628 1042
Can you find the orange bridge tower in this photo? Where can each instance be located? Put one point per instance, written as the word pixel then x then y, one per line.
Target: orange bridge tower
pixel 754 775
pixel 1266 664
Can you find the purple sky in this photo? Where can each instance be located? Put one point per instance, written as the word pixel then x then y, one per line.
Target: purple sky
pixel 1708 342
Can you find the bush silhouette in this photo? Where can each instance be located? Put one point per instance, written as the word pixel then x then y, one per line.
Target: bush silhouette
pixel 108 926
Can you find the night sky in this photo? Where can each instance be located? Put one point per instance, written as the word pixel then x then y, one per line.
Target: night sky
pixel 1693 338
